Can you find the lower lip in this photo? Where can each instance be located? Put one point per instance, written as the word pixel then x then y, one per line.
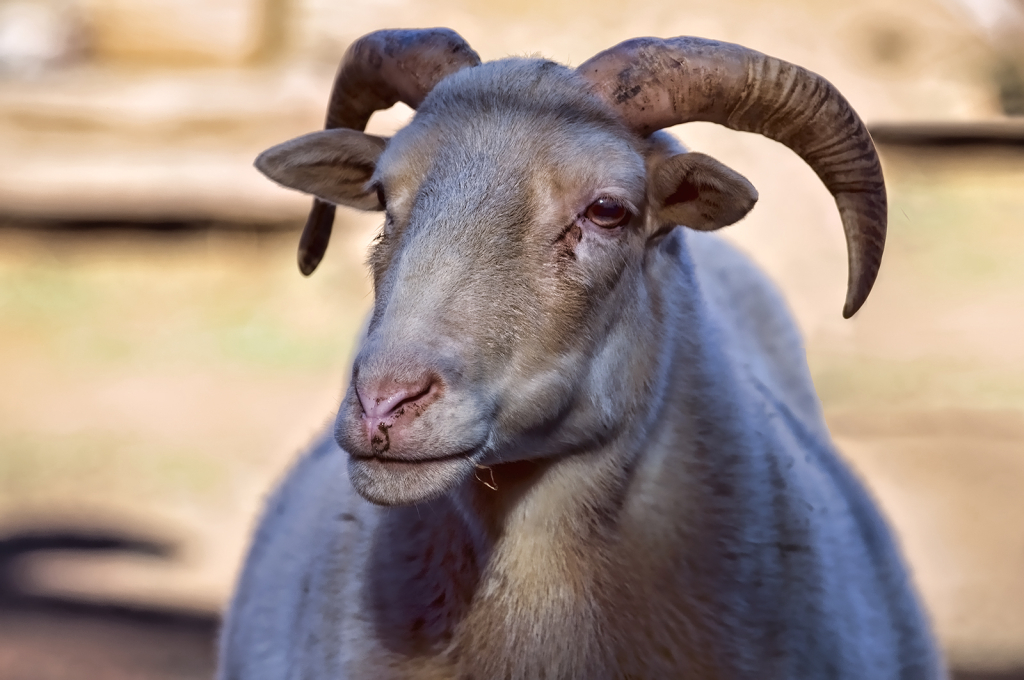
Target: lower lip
pixel 412 462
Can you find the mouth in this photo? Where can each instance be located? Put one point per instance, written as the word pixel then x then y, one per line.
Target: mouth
pixel 423 460
pixel 403 481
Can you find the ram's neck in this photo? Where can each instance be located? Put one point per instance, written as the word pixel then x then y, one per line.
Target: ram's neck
pixel 586 539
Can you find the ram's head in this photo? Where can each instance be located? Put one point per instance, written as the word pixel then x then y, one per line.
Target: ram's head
pixel 529 218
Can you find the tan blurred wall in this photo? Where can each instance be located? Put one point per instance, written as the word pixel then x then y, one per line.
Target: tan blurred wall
pixel 913 59
pixel 180 32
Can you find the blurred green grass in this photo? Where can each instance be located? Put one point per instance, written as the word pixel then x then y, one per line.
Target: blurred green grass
pixel 171 300
pixel 126 465
pixel 861 381
pixel 962 234
pixel 945 323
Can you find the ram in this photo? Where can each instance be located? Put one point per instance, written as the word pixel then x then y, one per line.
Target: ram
pixel 579 441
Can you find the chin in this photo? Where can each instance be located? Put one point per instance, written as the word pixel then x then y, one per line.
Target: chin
pixel 396 482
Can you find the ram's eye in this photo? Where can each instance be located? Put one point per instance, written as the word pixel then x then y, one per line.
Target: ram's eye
pixel 607 213
pixel 380 198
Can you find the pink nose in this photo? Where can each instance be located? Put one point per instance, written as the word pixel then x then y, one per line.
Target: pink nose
pixel 389 406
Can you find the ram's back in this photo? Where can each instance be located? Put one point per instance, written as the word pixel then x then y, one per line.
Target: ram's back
pixel 858 569
pixel 755 322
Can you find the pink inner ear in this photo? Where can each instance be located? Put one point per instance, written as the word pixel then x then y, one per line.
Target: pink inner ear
pixel 685 192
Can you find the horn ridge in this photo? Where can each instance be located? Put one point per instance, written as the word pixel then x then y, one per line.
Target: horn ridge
pixel 846 163
pixel 655 83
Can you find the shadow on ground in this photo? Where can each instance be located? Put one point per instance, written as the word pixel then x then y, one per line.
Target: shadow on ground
pixel 52 638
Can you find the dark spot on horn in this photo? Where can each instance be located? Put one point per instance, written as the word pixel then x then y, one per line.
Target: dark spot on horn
pixel 623 95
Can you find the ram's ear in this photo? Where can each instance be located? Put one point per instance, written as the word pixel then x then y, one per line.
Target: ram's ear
pixel 697 191
pixel 334 165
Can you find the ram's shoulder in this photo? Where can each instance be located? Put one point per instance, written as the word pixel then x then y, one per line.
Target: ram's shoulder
pixel 304 512
pixel 752 316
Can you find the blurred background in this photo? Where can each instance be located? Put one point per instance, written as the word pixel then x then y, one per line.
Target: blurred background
pixel 162 360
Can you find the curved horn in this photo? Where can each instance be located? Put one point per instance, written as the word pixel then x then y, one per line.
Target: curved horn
pixel 656 83
pixel 379 70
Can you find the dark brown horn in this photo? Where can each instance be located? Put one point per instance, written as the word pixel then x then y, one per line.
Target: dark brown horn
pixel 656 83
pixel 379 70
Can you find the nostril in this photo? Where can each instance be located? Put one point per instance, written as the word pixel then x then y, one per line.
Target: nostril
pixel 413 398
pixel 392 403
pixel 382 403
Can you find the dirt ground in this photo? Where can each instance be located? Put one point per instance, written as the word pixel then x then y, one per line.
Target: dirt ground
pixel 61 641
pixel 75 643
